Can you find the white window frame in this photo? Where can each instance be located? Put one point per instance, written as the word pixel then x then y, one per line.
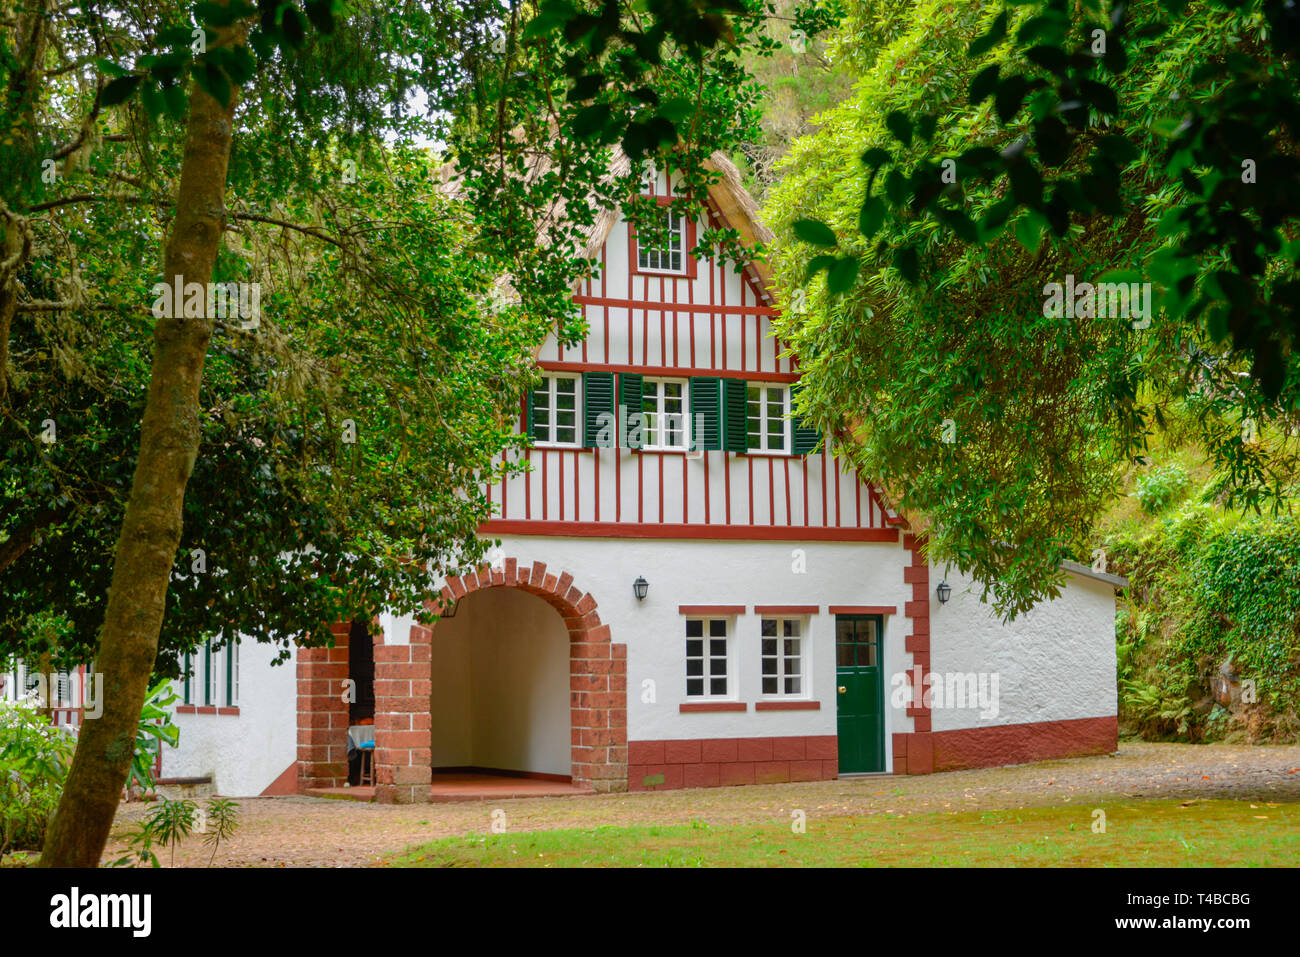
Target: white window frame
pixel 803 658
pixel 644 252
pixel 550 387
pixel 728 658
pixel 660 415
pixel 765 419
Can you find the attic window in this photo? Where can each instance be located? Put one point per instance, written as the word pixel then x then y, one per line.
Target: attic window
pixel 670 258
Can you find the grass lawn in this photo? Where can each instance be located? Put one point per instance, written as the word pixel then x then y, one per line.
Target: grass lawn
pixel 1215 833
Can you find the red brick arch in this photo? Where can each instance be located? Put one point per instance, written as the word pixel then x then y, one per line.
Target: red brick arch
pixel 597 672
pixel 597 694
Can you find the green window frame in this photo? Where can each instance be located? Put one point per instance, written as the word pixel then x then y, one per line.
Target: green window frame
pixel 207 672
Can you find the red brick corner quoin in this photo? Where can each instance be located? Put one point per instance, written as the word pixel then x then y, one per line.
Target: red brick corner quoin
pixel 403 683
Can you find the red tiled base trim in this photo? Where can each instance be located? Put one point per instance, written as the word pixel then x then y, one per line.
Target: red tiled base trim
pixel 718 762
pixel 1004 744
pixel 286 783
pixel 1021 743
pixel 701 707
pixel 787 705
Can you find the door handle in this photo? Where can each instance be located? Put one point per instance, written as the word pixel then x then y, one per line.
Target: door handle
pixel 843 689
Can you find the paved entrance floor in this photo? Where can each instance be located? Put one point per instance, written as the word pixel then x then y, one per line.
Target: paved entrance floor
pixel 469 786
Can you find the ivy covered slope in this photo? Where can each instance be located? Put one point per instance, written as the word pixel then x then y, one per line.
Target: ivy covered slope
pixel 996 425
pixel 1209 632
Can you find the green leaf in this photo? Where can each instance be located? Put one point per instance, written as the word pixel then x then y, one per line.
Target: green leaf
pixel 842 275
pixel 988 41
pixel 321 15
pixel 907 262
pixel 871 216
pixel 119 90
pixel 212 81
pixel 814 231
pixel 1029 230
pixel 985 81
pixel 591 121
pixel 898 124
pixel 818 263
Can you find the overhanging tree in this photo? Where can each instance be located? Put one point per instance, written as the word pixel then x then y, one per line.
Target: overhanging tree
pixel 1065 143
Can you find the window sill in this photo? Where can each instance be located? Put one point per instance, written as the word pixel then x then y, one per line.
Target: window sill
pixel 776 705
pixel 205 709
pixel 696 707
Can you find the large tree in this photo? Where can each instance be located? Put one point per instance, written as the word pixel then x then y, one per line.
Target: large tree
pixel 989 152
pixel 337 445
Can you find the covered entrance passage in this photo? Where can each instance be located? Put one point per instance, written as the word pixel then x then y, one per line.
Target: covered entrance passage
pixel 548 683
pixel 500 690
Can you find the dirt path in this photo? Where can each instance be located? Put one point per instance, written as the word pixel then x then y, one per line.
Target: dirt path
pixel 317 832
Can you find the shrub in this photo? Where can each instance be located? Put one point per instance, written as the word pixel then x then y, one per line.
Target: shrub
pixel 34 761
pixel 1162 487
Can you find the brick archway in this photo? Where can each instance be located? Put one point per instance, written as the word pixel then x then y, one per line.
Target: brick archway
pixel 597 668
pixel 597 694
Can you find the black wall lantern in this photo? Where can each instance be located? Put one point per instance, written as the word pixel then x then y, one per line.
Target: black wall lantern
pixel 640 587
pixel 944 591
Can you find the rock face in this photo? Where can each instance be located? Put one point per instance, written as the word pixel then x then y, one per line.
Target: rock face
pixel 1227 686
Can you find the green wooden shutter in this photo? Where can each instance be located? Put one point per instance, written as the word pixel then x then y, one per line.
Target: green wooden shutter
pixel 735 427
pixel 207 672
pixel 531 424
pixel 597 397
pixel 706 402
pixel 806 435
pixel 629 394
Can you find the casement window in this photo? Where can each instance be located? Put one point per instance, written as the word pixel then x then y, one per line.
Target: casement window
pixel 666 415
pixel 669 259
pixel 707 657
pixel 554 411
pixel 767 423
pixel 782 646
pixel 187 672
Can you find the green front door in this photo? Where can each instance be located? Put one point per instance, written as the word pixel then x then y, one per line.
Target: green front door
pixel 860 693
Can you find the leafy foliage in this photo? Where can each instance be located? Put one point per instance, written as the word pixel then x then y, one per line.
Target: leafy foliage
pixel 34 758
pixel 1161 487
pixel 965 177
pixel 1208 589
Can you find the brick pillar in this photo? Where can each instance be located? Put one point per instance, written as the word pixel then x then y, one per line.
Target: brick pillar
pixel 914 753
pixel 403 755
pixel 323 713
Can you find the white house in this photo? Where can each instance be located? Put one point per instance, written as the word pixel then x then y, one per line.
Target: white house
pixel 699 596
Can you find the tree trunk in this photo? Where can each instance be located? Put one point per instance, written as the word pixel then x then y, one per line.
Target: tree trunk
pixel 151 527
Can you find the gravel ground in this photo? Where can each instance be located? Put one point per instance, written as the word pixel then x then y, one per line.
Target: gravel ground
pixel 320 832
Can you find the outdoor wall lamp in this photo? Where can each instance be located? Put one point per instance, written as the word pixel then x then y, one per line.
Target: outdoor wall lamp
pixel 640 587
pixel 944 591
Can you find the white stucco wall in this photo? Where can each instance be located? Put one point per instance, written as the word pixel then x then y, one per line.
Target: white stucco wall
pixel 243 753
pixel 1054 663
pixel 500 694
pixel 727 573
